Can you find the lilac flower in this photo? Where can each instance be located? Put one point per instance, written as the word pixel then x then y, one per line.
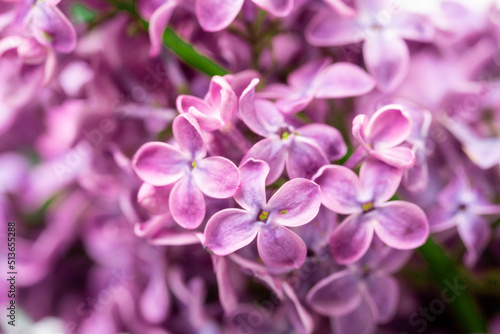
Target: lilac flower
pixel 303 150
pixel 399 224
pixel 215 110
pixel 363 294
pixel 381 136
pixel 213 15
pixel 386 55
pixel 50 27
pixel 462 206
pixel 319 79
pixel 187 166
pixel 295 203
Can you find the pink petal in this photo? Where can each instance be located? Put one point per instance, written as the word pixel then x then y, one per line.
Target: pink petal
pixel 295 102
pixel 388 127
pixel 304 158
pixel 399 157
pixel 343 80
pixel 187 204
pixel 327 137
pixel 252 193
pixel 335 295
pixel 188 136
pixel 52 28
pixel 359 321
pixel 225 285
pixel 215 15
pixel 412 26
pixel 217 177
pixel 327 29
pixel 159 164
pixel 229 230
pixel 359 128
pixel 387 58
pixel 339 189
pixel 305 76
pixel 207 116
pixel 351 239
pixel 280 8
pixel 475 232
pixel 222 97
pixel 401 225
pixel 154 199
pixel 442 220
pixel 279 247
pixel 157 24
pixel 272 151
pixel 155 300
pixel 298 315
pixel 379 181
pixel 296 203
pixel 260 116
pixel 382 296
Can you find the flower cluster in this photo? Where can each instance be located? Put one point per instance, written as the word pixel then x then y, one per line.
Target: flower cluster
pixel 250 166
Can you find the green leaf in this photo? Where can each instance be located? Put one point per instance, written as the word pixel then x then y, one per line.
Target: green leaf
pixel 82 14
pixel 464 306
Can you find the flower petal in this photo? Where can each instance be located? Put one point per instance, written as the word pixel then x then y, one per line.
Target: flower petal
pixel 382 296
pixel 359 321
pixel 280 247
pixel 401 225
pixel 388 127
pixel 155 300
pixel 217 177
pixel 187 204
pixel 399 157
pixel 387 58
pixel 280 8
pixel 304 158
pixel 412 26
pixel 157 24
pixel 343 80
pixel 52 28
pixel 215 15
pixel 272 151
pixel 261 116
pixel 222 97
pixel 351 239
pixel 379 181
pixel 327 29
pixel 188 136
pixel 475 233
pixel 335 295
pixel 296 203
pixel 229 230
pixel 339 189
pixel 252 193
pixel 154 199
pixel 159 164
pixel 327 137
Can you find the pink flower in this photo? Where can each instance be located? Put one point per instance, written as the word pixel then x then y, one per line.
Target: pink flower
pixel 187 166
pixel 296 203
pixel 399 224
pixel 303 150
pixel 383 31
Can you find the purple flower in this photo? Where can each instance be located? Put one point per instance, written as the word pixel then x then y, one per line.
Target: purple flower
pixel 386 55
pixel 381 136
pixel 399 224
pixel 296 203
pixel 217 108
pixel 303 150
pixel 319 79
pixel 462 206
pixel 363 294
pixel 187 166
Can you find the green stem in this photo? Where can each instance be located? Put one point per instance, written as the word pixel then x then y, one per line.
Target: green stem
pixel 185 51
pixel 464 306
